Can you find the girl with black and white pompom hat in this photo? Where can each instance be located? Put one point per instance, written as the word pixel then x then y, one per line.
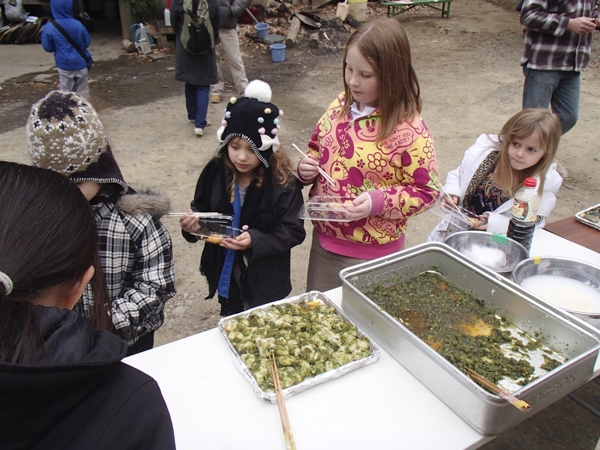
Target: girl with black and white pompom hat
pixel 252 179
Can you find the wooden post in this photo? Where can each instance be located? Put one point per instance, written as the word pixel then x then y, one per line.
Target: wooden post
pixel 125 19
pixel 293 31
pixel 314 40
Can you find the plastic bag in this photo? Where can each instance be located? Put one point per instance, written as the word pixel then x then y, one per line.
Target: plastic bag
pixel 14 11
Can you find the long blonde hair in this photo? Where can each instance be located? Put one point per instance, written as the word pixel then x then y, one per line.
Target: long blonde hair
pixel 383 43
pixel 522 125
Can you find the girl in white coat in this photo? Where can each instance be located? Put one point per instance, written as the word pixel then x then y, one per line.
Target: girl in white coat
pixel 495 167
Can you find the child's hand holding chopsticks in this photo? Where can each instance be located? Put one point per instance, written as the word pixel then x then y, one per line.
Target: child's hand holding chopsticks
pixel 189 222
pixel 309 169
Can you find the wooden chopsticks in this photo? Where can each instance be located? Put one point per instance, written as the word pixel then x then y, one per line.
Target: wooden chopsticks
pixel 321 171
pixel 285 421
pixel 519 404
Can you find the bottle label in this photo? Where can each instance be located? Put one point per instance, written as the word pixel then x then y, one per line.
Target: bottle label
pixel 524 211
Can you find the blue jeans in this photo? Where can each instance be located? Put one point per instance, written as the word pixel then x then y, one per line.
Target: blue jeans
pixel 196 102
pixel 553 87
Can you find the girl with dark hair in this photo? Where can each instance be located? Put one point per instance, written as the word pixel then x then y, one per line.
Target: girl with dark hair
pixel 495 168
pixel 63 383
pixel 252 179
pixel 373 142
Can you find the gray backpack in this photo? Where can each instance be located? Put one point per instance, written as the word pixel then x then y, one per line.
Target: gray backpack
pixel 197 35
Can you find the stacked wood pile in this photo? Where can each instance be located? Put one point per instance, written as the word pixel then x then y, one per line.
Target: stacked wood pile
pixel 312 27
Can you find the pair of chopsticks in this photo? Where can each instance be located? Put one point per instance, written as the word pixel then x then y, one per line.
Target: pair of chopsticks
pixel 519 404
pixel 285 421
pixel 195 214
pixel 321 171
pixel 453 204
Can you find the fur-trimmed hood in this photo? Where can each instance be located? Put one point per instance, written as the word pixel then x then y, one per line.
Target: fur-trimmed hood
pixel 145 199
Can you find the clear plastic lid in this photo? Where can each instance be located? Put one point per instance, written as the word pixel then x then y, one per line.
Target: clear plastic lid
pixel 214 231
pixel 460 218
pixel 328 208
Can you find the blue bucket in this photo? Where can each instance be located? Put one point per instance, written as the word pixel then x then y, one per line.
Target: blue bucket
pixel 277 52
pixel 262 29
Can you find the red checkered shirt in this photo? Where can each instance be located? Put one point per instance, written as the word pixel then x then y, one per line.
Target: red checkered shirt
pixel 548 43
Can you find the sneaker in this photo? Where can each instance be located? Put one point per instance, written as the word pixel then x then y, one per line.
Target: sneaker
pixel 216 98
pixel 199 131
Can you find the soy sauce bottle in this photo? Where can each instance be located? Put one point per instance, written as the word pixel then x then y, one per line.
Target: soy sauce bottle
pixel 524 213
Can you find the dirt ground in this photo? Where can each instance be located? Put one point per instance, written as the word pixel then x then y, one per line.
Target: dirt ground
pixel 471 83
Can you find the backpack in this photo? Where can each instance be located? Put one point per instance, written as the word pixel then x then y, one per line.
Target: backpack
pixel 197 35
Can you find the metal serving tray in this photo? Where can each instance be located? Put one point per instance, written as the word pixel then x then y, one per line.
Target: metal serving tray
pixel 579 217
pixel 309 382
pixel 485 412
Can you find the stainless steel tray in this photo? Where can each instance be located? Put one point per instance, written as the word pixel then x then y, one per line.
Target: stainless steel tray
pixel 579 218
pixel 309 382
pixel 485 412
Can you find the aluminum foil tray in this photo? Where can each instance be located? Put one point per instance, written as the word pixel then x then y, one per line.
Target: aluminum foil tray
pixel 487 413
pixel 309 382
pixel 580 217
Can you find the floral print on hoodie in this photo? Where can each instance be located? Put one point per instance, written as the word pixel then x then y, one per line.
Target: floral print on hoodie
pixel 400 175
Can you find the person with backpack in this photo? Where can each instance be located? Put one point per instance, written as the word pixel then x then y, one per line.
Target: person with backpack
pixel 196 24
pixel 70 55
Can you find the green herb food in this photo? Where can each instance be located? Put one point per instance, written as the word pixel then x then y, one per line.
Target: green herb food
pixel 455 323
pixel 307 338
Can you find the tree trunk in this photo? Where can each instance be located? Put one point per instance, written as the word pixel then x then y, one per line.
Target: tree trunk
pixel 314 40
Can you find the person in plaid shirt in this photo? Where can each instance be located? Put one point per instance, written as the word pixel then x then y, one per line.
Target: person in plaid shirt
pixel 558 37
pixel 65 134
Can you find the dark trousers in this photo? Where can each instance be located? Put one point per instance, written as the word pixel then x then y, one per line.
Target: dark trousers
pixel 234 303
pixel 196 102
pixel 146 342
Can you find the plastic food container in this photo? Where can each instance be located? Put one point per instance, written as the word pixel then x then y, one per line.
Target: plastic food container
pixel 308 382
pixel 487 413
pixel 214 231
pixel 328 208
pixel 457 220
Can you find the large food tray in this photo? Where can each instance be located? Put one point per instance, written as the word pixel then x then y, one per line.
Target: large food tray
pixel 485 412
pixel 310 382
pixel 580 217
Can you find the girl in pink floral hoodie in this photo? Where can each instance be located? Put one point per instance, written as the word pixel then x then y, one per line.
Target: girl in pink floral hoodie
pixel 373 142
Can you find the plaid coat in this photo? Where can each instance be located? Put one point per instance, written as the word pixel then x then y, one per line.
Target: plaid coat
pixel 137 259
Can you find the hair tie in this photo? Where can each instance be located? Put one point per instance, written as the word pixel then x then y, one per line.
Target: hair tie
pixel 7 282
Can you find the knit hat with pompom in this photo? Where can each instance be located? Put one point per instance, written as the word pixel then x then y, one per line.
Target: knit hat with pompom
pixel 253 118
pixel 65 134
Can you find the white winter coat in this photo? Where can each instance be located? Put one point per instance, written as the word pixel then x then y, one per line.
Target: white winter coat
pixel 458 180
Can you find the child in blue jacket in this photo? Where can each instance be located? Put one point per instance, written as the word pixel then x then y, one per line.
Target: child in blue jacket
pixel 72 67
